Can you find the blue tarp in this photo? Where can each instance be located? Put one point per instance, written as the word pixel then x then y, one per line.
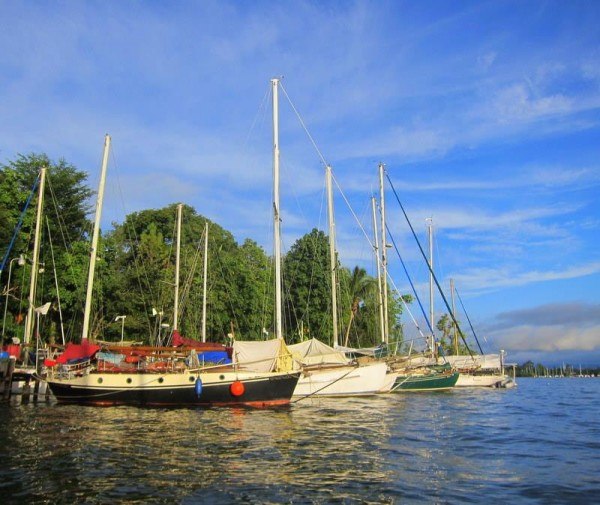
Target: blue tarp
pixel 219 357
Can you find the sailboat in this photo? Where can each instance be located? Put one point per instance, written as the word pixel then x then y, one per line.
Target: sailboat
pixel 408 375
pixel 325 370
pixel 477 370
pixel 260 374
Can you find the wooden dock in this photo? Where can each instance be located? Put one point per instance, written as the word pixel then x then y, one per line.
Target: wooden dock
pixel 21 382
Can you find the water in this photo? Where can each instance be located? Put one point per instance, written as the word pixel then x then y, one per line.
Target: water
pixel 538 443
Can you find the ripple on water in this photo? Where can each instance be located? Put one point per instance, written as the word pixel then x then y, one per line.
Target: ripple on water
pixel 537 443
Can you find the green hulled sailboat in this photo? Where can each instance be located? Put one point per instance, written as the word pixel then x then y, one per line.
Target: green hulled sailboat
pixel 428 378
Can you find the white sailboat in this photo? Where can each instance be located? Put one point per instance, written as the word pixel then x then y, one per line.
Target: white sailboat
pixel 325 371
pixel 475 370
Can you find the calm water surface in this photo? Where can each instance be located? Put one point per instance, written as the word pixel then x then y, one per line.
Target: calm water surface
pixel 538 443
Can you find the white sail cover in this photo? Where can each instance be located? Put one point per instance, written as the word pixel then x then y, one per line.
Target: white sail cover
pixel 315 352
pixel 479 361
pixel 259 356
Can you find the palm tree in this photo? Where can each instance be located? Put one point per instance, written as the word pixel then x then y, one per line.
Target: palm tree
pixel 360 286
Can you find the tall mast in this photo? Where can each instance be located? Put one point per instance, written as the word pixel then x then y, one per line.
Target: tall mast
pixel 454 317
pixel 276 215
pixel 35 259
pixel 204 282
pixel 177 256
pixel 430 234
pixel 332 258
pixel 95 236
pixel 383 256
pixel 379 287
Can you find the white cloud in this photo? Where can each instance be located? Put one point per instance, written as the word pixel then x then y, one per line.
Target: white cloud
pixel 549 338
pixel 516 104
pixel 489 278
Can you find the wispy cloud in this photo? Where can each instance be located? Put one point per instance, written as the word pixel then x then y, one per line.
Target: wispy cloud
pixel 485 279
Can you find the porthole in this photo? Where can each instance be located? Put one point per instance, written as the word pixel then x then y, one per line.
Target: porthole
pixel 161 380
pixel 192 379
pixel 128 380
pixel 222 377
pixel 99 380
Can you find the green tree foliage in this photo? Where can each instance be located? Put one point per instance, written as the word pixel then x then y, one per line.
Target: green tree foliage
pixel 308 298
pixel 307 289
pixel 142 277
pixel 135 273
pixel 66 204
pixel 360 287
pixel 445 326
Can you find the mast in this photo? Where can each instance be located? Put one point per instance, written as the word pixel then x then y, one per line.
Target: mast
pixel 379 287
pixel 429 221
pixel 454 317
pixel 383 257
pixel 95 235
pixel 276 215
pixel 35 259
pixel 332 258
pixel 204 282
pixel 177 255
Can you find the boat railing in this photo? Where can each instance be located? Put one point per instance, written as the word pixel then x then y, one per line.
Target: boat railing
pixel 70 370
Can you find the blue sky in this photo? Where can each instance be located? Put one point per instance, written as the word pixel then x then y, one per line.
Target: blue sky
pixel 486 114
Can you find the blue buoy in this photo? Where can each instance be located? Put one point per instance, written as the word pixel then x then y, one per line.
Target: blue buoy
pixel 198 387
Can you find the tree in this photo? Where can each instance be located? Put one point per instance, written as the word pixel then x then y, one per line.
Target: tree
pixel 360 287
pixel 446 325
pixel 66 204
pixel 307 288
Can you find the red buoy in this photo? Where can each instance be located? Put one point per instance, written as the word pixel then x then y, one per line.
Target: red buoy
pixel 237 388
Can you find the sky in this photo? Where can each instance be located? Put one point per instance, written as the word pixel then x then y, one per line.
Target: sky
pixel 485 114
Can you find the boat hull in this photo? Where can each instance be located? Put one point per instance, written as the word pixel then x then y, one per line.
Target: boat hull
pixel 177 389
pixel 342 380
pixel 481 381
pixel 430 382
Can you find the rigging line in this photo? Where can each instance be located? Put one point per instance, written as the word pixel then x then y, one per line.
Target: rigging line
pixel 409 278
pixel 62 329
pixel 19 223
pixel 227 290
pixel 187 284
pixel 186 289
pixel 303 125
pixel 129 233
pixel 69 258
pixel 262 108
pixel 287 282
pixel 440 267
pixel 326 385
pixel 462 336
pixel 468 319
pixel 378 259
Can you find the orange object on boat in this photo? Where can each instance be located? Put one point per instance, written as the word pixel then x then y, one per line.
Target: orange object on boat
pixel 237 388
